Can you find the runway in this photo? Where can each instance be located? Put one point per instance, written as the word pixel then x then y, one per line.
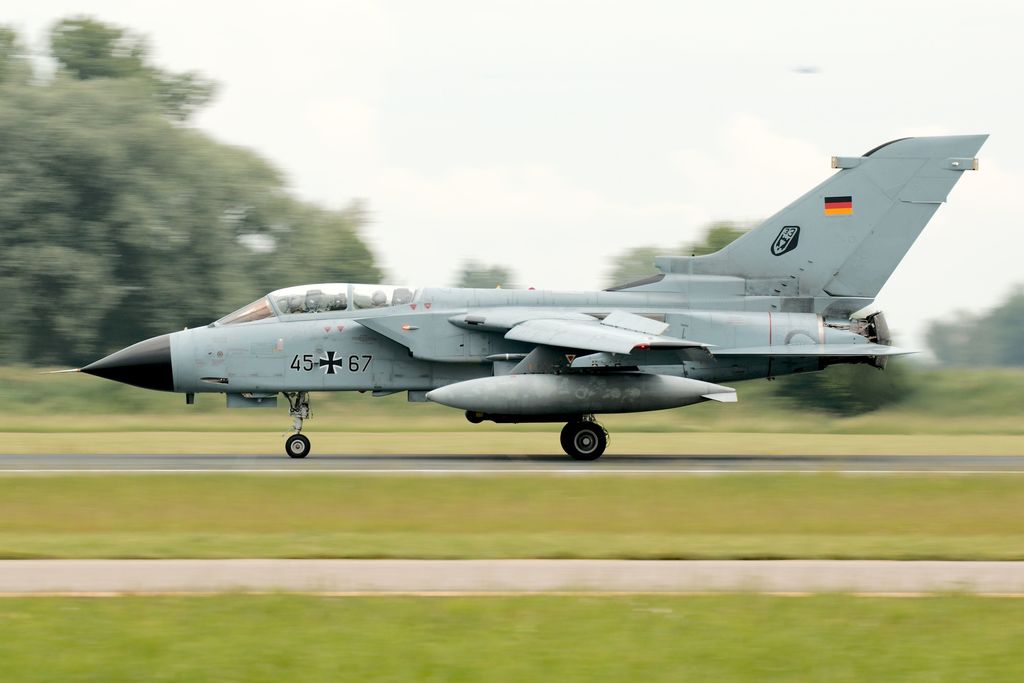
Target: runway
pixel 447 577
pixel 509 464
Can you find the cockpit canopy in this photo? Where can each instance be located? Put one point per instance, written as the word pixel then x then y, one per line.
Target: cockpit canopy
pixel 320 298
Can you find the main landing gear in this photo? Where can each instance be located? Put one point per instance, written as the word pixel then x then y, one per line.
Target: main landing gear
pixel 297 445
pixel 584 439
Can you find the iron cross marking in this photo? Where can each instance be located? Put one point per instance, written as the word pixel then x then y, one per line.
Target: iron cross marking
pixel 331 363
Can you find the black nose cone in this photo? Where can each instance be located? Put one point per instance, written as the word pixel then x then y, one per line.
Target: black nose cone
pixel 146 364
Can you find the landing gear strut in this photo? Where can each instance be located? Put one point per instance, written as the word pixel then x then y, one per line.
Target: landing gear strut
pixel 584 439
pixel 297 445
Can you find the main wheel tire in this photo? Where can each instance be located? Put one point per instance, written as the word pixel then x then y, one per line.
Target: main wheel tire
pixel 584 440
pixel 297 446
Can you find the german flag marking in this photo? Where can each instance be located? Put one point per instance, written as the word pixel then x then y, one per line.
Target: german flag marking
pixel 838 206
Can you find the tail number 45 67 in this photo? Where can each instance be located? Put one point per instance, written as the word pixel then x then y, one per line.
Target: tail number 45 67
pixel 331 362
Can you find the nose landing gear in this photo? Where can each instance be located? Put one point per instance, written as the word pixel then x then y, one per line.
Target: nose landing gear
pixel 297 445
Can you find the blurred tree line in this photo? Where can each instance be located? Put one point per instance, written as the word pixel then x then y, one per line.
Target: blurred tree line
pixel 995 338
pixel 474 274
pixel 119 221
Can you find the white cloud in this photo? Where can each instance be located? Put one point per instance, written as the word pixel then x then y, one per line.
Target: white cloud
pixel 552 231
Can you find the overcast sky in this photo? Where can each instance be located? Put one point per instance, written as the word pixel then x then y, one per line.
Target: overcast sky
pixel 550 136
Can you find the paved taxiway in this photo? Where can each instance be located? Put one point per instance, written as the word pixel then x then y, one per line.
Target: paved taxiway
pixel 469 464
pixel 98 577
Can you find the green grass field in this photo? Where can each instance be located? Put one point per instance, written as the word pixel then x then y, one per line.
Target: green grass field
pixel 640 638
pixel 736 516
pixel 559 638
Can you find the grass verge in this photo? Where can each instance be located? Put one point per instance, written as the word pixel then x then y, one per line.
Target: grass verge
pixel 503 441
pixel 568 638
pixel 739 516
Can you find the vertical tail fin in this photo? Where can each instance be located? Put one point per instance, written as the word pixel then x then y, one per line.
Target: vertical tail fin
pixel 845 237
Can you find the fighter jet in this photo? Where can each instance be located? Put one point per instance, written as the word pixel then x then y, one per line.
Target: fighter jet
pixel 781 299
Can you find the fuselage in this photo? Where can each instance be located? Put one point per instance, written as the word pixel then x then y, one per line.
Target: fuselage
pixel 426 342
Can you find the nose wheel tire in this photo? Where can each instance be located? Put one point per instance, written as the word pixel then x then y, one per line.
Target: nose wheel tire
pixel 297 446
pixel 584 440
